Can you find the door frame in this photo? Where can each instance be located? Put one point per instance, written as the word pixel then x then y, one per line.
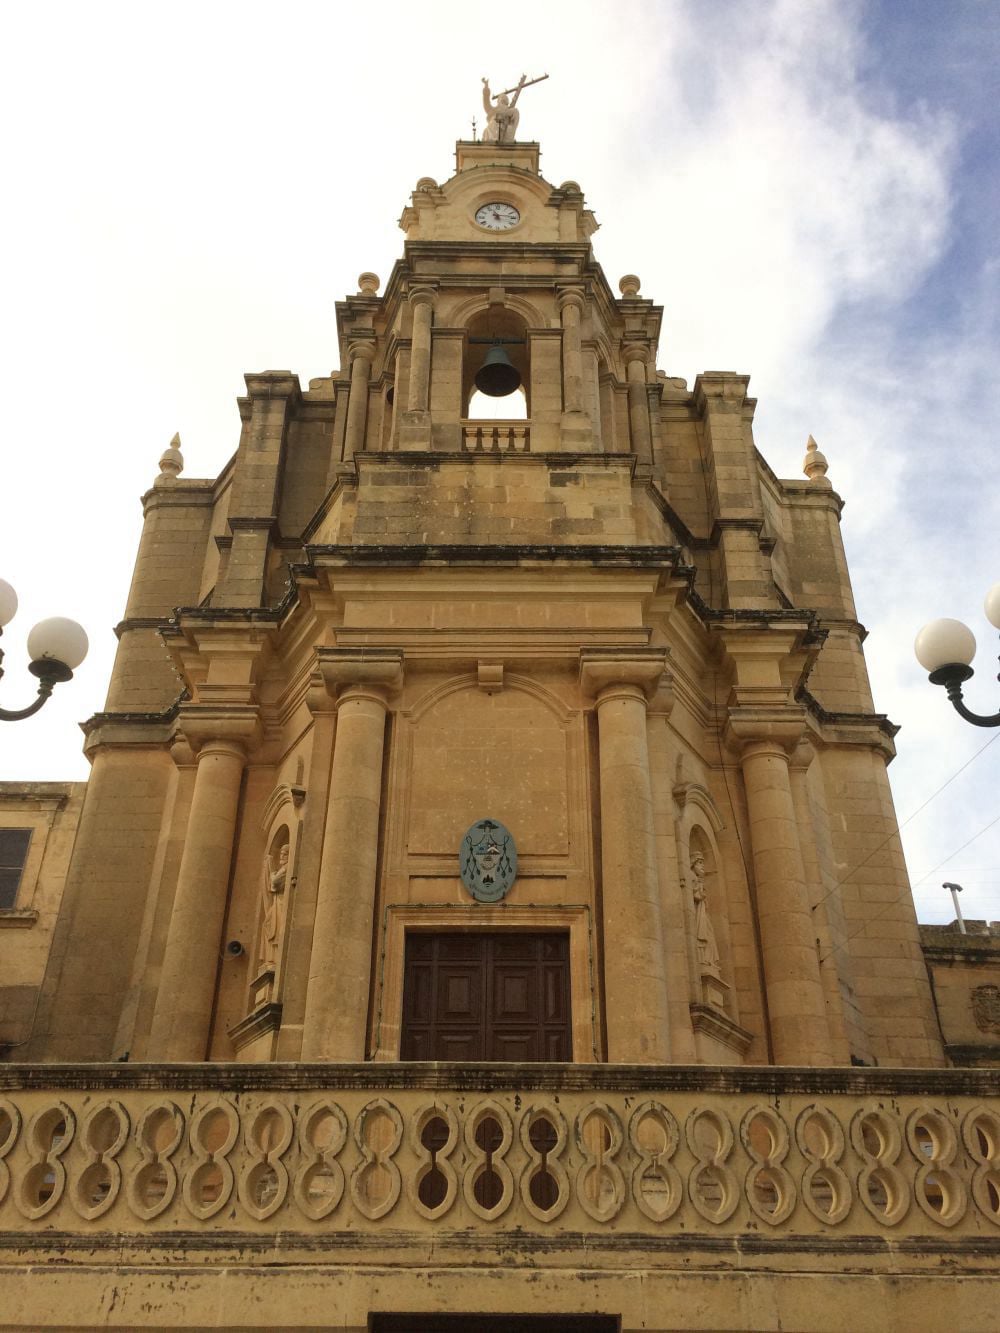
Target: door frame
pixel 403 917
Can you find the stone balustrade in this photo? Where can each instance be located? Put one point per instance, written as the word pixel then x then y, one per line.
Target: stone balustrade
pixel 496 437
pixel 637 1151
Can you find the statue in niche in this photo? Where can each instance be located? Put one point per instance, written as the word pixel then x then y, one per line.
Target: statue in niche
pixel 273 912
pixel 708 949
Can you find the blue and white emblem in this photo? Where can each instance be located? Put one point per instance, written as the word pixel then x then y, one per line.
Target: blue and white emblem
pixel 488 861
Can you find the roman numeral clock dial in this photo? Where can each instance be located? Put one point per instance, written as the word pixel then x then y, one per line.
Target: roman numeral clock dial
pixel 498 216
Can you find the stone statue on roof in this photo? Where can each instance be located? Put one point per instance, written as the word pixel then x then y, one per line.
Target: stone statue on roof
pixel 501 110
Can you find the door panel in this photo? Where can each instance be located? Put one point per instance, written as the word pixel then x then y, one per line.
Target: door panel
pixel 477 996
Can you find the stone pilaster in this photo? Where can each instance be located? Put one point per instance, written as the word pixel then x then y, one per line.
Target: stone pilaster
pixel 635 981
pixel 340 963
pixel 253 510
pixel 733 483
pixel 183 1013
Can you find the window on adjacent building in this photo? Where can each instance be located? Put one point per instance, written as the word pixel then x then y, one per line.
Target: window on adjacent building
pixel 13 854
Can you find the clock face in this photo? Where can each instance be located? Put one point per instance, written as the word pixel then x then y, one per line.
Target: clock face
pixel 498 216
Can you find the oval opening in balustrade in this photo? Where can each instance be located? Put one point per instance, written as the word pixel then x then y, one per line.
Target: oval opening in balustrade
pixel 262 1185
pixel 872 1137
pixel 151 1185
pixel 882 1194
pixel 543 1186
pixel 160 1130
pixel 94 1185
pixel 324 1130
pixel 214 1130
pixel 268 1129
pixel 488 1186
pixel 928 1147
pixel 6 1127
pixel 433 1186
pixel 761 1137
pixel 51 1131
pixel 104 1130
pixel 817 1137
pixel 767 1192
pixel 379 1135
pixel 207 1183
pixel 824 1192
pixel 39 1185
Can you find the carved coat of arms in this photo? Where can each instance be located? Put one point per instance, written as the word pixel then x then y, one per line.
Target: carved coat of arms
pixel 986 1008
pixel 488 861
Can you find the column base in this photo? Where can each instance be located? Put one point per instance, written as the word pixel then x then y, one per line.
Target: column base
pixel 576 433
pixel 414 431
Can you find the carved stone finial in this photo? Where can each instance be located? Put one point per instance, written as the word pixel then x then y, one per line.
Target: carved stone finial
pixel 427 183
pixel 629 285
pixel 171 462
pixel 814 465
pixel 369 283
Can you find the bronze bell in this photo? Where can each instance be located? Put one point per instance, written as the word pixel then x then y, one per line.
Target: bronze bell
pixel 497 377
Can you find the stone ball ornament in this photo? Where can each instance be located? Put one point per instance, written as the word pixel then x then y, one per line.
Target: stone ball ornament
pixel 487 861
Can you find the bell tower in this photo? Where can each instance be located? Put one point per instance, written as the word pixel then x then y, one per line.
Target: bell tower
pixel 532 735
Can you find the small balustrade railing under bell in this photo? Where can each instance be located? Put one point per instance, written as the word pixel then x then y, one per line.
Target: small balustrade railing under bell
pixel 642 1152
pixel 496 437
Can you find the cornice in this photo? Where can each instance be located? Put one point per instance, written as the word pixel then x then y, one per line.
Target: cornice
pixel 764 1080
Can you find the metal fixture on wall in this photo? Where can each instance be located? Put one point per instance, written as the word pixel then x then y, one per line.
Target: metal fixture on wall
pixel 56 646
pixel 946 648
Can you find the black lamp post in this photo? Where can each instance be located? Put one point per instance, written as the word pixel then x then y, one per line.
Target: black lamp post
pixel 56 647
pixel 946 648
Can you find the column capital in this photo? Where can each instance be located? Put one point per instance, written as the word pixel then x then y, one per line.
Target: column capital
pixel 763 730
pixel 273 384
pixel 570 298
pixel 233 726
pixel 635 352
pixel 421 293
pixel 639 668
pixel 361 349
pixel 723 390
pixel 378 668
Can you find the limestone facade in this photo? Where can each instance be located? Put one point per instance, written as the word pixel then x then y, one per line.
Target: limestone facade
pixel 605 624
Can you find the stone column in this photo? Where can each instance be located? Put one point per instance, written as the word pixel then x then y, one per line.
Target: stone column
pixel 635 983
pixel 576 431
pixel 418 394
pixel 362 355
pixel 796 1004
pixel 341 958
pixel 183 1011
pixel 571 308
pixel 636 356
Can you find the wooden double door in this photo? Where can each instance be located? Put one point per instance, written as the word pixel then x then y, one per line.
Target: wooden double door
pixel 486 996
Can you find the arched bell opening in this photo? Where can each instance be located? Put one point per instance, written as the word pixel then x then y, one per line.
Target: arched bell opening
pixel 496 370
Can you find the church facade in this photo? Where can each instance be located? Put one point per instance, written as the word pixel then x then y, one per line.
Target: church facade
pixel 486 899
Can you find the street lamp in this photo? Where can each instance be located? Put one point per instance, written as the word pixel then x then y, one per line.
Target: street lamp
pixel 946 648
pixel 56 647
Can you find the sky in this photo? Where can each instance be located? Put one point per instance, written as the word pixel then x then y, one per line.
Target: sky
pixel 809 187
